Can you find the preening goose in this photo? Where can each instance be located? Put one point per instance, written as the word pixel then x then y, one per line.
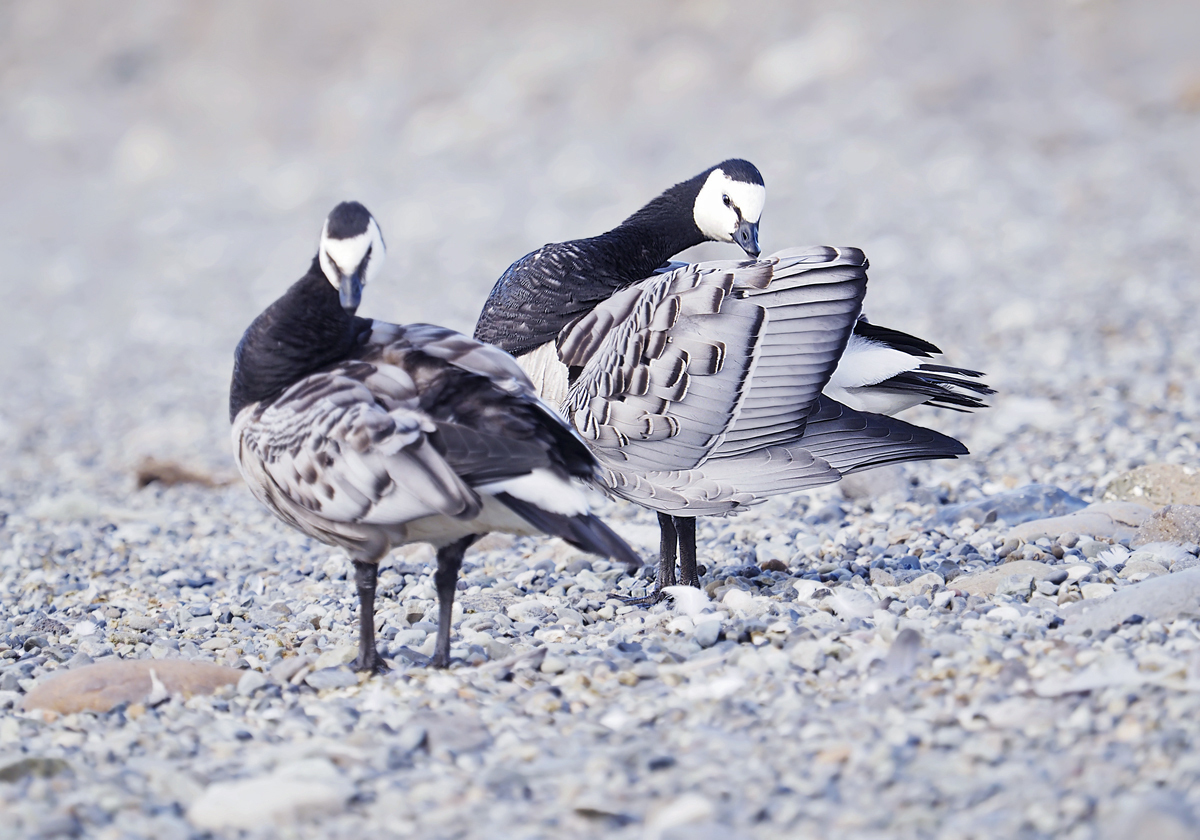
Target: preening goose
pixel 698 386
pixel 368 435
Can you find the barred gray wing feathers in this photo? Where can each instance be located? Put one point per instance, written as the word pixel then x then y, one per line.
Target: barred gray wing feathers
pixel 710 359
pixel 347 447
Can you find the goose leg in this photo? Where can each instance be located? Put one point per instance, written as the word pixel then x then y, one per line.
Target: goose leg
pixel 686 527
pixel 668 545
pixel 449 560
pixel 365 575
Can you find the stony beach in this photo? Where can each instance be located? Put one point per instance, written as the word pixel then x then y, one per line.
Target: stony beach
pixel 1007 645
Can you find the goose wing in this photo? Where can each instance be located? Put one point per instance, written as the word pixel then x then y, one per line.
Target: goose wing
pixel 490 422
pixel 410 429
pixel 838 441
pixel 348 446
pixel 710 356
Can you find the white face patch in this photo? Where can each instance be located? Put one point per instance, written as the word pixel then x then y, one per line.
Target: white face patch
pixel 342 257
pixel 719 202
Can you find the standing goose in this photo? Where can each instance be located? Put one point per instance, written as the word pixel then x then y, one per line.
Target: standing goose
pixel 698 386
pixel 368 435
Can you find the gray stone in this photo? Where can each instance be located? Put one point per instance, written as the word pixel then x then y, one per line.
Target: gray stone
pixel 554 664
pixel 1033 501
pixel 901 659
pixel 706 632
pixel 876 483
pixel 32 767
pixel 1166 553
pixel 1019 584
pixel 274 800
pixel 1155 485
pixel 579 564
pixel 332 678
pixel 1161 598
pixel 1114 520
pixel 285 669
pixel 1158 815
pixel 1140 563
pixel 987 582
pixel 250 682
pixel 79 660
pixel 807 654
pixel 453 734
pixel 1178 524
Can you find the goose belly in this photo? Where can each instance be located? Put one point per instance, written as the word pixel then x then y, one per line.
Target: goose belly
pixel 442 530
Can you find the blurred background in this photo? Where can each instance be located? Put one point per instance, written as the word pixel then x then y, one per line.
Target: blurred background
pixel 1023 175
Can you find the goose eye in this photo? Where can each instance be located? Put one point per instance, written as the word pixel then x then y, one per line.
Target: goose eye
pixel 725 199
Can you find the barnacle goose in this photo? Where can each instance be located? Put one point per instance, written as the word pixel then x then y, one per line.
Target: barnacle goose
pixel 368 435
pixel 699 387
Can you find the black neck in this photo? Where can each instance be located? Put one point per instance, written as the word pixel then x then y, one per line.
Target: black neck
pixel 544 291
pixel 303 331
pixel 657 232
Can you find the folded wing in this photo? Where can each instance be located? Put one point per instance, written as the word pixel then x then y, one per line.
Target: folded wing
pixel 711 359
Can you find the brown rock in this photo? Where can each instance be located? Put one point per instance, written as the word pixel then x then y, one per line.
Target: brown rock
pixel 774 565
pixel 170 473
pixel 100 687
pixel 33 766
pixel 1172 524
pixel 1155 485
pixel 985 582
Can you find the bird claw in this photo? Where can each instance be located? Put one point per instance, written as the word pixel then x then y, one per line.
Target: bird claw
pixel 373 665
pixel 650 600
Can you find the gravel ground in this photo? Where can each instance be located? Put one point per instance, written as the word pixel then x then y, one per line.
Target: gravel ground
pixel 1024 178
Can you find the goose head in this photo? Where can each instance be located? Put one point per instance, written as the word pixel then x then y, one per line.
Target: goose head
pixel 352 251
pixel 730 203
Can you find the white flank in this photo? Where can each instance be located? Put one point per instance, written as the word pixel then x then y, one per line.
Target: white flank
pixel 544 489
pixel 548 375
pixel 867 362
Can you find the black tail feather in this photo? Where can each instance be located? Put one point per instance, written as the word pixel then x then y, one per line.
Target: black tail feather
pixel 895 339
pixel 854 440
pixel 584 531
pixel 938 384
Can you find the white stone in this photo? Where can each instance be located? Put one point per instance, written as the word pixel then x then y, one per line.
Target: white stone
pixel 688 809
pixel 1096 590
pixel 266 801
pixel 707 632
pixel 250 682
pixel 743 602
pixel 334 657
pixel 553 664
pixel 808 655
